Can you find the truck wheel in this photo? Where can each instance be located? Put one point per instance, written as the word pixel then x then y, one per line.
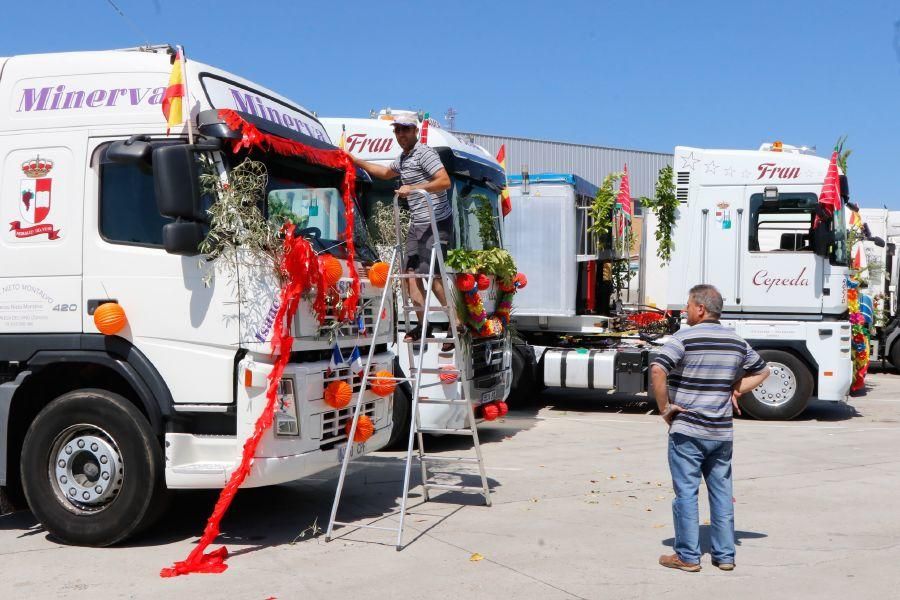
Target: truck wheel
pixel 523 386
pixel 400 429
pixel 894 356
pixel 91 468
pixel 785 393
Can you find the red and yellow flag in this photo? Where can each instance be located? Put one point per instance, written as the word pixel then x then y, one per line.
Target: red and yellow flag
pixel 172 99
pixel 505 202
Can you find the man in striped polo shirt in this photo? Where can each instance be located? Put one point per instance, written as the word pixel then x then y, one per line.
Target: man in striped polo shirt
pixel 419 168
pixel 697 378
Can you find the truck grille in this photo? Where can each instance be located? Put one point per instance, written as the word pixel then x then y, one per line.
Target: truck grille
pixel 334 422
pixel 487 357
pixel 351 329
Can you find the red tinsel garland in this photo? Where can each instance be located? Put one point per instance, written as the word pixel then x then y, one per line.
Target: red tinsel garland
pixel 252 137
pixel 301 267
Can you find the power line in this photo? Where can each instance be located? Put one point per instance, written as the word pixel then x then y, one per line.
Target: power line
pixel 139 31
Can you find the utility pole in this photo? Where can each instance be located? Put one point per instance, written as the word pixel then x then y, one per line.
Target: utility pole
pixel 450 117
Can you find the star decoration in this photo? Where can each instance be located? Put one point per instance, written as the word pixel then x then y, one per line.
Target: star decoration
pixel 689 162
pixel 728 171
pixel 711 167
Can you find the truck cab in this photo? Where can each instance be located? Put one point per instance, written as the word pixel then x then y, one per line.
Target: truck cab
pixel 96 428
pixel 749 222
pixel 476 182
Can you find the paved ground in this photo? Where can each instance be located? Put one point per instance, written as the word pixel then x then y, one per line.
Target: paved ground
pixel 581 510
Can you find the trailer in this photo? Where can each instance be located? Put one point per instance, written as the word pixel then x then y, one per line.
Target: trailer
pixel 748 222
pixel 882 269
pixel 101 206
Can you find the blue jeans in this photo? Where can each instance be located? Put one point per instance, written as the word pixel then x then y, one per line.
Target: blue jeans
pixel 689 458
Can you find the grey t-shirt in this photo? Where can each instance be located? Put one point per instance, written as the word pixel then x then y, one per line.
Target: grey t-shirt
pixel 418 165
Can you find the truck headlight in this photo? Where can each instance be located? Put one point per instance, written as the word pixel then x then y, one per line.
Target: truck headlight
pixel 286 421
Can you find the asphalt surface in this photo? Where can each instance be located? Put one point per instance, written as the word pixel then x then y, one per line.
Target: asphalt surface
pixel 581 509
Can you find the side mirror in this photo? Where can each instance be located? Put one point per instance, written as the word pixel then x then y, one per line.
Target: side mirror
pixel 176 176
pixel 822 235
pixel 183 237
pixel 877 241
pixel 136 150
pixel 845 188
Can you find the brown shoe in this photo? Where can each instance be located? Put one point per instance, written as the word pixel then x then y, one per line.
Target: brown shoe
pixel 725 566
pixel 673 562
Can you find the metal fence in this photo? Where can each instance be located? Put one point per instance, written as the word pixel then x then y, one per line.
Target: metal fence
pixel 590 162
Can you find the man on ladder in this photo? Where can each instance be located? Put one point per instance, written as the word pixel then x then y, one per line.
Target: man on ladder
pixel 419 168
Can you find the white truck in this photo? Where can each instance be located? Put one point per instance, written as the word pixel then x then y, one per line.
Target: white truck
pixel 744 224
pixel 880 279
pixel 101 205
pixel 477 180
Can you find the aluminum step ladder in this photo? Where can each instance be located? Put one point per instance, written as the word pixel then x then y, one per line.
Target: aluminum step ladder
pixel 417 352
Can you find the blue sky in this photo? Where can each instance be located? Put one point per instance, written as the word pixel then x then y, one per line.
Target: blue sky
pixel 647 75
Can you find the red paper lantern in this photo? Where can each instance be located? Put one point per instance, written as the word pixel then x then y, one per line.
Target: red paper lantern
pixel 338 394
pixel 331 269
pixel 448 374
pixel 364 428
pixel 465 282
pixel 507 285
pixel 502 407
pixel 520 280
pixel 383 384
pixel 378 274
pixel 483 282
pixel 490 412
pixel 110 318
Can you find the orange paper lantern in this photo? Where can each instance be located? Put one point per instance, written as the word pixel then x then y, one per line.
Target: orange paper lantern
pixel 448 374
pixel 364 428
pixel 378 274
pixel 331 269
pixel 483 282
pixel 110 318
pixel 338 394
pixel 381 385
pixel 502 407
pixel 490 412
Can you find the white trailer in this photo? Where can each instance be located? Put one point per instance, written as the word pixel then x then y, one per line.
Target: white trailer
pixel 880 279
pixel 744 224
pixel 102 207
pixel 476 177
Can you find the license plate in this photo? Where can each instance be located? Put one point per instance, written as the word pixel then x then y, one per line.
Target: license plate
pixel 489 396
pixel 356 450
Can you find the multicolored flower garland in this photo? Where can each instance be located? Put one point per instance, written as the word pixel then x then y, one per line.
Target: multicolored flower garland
pixel 859 339
pixel 477 318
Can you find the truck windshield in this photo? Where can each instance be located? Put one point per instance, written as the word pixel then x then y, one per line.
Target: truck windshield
pixel 310 198
pixel 476 208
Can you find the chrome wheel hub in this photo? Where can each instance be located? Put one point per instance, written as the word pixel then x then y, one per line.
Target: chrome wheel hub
pixel 779 388
pixel 86 469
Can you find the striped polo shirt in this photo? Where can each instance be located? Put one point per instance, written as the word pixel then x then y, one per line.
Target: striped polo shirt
pixel 418 165
pixel 703 362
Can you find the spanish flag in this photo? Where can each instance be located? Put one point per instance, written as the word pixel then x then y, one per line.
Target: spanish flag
pixel 171 103
pixel 505 202
pixel 855 219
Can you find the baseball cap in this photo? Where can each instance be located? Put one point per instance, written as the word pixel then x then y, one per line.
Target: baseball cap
pixel 405 120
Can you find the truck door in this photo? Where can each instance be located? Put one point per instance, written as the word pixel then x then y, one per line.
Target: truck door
pixel 40 245
pixel 721 223
pixel 187 329
pixel 781 272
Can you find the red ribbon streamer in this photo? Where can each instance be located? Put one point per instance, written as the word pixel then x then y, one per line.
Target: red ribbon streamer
pixel 252 137
pixel 300 266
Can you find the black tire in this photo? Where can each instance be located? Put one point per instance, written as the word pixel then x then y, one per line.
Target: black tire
pixel 796 382
pixel 130 495
pixel 523 389
pixel 402 405
pixel 894 356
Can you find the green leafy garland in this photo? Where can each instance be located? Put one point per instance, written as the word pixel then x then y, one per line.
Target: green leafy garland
pixel 484 212
pixel 664 205
pixel 494 261
pixel 601 209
